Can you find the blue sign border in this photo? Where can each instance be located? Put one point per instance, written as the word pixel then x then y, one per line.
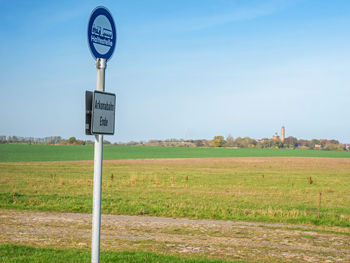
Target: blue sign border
pixel 101 10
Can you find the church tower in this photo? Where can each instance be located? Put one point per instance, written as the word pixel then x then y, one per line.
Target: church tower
pixel 282 134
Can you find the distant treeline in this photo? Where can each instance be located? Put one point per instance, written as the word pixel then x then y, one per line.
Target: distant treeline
pixel 246 142
pixel 18 139
pixel 45 140
pixel 217 141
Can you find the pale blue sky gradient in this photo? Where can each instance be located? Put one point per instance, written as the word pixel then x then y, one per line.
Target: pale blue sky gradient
pixel 181 69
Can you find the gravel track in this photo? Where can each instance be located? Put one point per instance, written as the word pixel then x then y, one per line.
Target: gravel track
pixel 248 241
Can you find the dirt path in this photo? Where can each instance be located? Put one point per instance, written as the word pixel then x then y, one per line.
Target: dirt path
pixel 252 242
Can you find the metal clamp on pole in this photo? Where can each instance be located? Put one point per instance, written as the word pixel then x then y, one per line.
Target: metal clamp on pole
pixel 101 65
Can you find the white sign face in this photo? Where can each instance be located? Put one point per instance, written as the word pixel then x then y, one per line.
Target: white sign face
pixel 103 113
pixel 102 34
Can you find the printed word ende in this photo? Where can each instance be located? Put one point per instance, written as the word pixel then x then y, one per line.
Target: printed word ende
pixel 103 121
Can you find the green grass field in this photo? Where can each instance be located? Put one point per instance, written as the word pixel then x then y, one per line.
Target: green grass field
pixel 22 254
pixel 253 189
pixel 26 152
pixel 266 186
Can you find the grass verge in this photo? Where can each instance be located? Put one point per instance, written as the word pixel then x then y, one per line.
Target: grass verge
pixel 14 253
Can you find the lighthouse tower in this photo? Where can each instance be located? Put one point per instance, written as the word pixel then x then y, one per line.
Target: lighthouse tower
pixel 282 134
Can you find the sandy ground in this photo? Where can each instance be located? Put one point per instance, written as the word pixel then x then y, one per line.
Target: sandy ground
pixel 252 242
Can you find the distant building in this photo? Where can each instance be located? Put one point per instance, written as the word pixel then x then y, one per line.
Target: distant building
pixel 275 137
pixel 282 134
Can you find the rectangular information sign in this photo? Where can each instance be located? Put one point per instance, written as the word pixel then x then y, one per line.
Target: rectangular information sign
pixel 103 113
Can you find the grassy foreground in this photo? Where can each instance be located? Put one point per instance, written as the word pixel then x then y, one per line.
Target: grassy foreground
pixel 26 152
pixel 254 189
pixel 14 253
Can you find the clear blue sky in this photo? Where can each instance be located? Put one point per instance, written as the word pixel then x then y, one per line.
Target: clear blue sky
pixel 181 69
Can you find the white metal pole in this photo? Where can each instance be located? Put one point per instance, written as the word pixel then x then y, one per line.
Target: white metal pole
pixel 96 210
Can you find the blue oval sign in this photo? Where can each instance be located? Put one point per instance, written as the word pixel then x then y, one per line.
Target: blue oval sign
pixel 102 34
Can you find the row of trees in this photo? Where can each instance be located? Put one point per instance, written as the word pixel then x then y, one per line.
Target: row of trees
pixel 217 141
pixel 72 141
pixel 19 139
pixel 246 142
pixel 289 142
pixel 75 141
pixel 56 140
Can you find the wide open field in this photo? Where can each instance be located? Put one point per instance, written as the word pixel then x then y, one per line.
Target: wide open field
pixel 238 190
pixel 26 152
pixel 254 189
